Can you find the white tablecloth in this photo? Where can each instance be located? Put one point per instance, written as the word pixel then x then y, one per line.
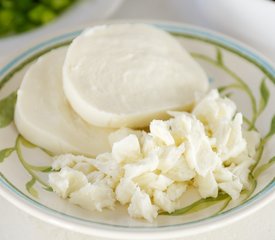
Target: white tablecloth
pixel 17 225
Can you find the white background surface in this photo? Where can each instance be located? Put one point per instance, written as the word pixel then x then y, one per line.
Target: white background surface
pixel 15 224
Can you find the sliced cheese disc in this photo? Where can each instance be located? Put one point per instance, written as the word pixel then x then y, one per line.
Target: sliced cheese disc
pixel 44 116
pixel 128 74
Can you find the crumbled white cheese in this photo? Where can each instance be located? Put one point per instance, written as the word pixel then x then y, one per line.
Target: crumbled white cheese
pixel 206 149
pixel 122 133
pixel 199 153
pixel 106 164
pixel 207 185
pixel 68 160
pixel 160 130
pixel 181 172
pixel 233 188
pixel 125 190
pixel 253 139
pixel 148 164
pixel 162 200
pixel 161 183
pixel 169 157
pixel 94 196
pixel 175 190
pixel 67 181
pixel 142 207
pixel 127 149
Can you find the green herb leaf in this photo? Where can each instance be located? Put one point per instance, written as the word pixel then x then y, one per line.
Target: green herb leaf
pixel 264 167
pixel 264 96
pixel 219 57
pixel 199 205
pixel 30 188
pixel 7 109
pixel 5 153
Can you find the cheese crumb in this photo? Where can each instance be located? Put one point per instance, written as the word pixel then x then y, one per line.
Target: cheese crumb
pixel 206 149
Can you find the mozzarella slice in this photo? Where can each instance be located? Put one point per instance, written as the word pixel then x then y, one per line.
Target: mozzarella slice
pixel 128 74
pixel 44 116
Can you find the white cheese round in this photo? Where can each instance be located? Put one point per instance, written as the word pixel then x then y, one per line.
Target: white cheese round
pixel 128 74
pixel 44 116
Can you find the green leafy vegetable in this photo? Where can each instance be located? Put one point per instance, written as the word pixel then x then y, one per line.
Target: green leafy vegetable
pixel 23 15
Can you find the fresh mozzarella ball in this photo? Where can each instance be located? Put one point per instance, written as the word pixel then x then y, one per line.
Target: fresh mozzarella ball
pixel 44 116
pixel 129 74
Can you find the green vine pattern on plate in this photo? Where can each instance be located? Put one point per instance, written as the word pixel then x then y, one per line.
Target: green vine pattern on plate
pixel 31 169
pixel 6 117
